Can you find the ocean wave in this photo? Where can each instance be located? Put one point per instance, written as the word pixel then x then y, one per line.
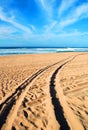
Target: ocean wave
pixel 13 51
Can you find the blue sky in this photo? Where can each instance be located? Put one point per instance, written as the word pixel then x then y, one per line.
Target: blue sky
pixel 44 23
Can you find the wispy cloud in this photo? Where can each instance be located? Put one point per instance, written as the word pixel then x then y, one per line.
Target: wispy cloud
pixel 7 30
pixel 47 6
pixel 54 25
pixel 43 3
pixel 76 14
pixel 62 37
pixel 80 12
pixel 49 27
pixel 4 17
pixel 65 4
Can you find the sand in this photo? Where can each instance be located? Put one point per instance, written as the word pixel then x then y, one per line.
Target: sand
pixel 44 92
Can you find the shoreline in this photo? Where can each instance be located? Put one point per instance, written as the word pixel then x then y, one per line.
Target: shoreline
pixel 22 51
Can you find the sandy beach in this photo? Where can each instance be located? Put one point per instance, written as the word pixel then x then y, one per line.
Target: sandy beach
pixel 44 91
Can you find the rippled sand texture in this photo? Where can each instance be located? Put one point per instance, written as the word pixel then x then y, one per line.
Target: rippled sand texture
pixel 15 69
pixel 44 92
pixel 74 82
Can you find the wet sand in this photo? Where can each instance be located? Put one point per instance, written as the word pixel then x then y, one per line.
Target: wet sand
pixel 44 92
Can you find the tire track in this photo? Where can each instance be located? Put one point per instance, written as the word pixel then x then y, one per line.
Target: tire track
pixel 9 106
pixel 59 113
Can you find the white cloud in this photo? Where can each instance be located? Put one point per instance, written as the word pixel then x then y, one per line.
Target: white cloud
pixel 4 17
pixel 66 22
pixel 65 4
pixel 80 12
pixel 47 6
pixel 43 3
pixel 22 27
pixel 7 30
pixel 52 27
pixel 49 27
pixel 63 36
pixel 75 14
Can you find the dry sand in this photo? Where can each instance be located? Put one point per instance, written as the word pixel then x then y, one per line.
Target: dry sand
pixel 44 92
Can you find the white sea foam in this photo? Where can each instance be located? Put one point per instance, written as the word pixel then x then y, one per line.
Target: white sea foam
pixel 11 51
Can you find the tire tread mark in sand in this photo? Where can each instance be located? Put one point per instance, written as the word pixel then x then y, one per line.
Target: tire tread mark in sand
pixel 59 113
pixel 7 105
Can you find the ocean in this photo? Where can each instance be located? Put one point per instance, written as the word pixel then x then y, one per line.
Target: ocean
pixel 17 50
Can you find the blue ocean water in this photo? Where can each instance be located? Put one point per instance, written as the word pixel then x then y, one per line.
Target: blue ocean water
pixel 12 51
